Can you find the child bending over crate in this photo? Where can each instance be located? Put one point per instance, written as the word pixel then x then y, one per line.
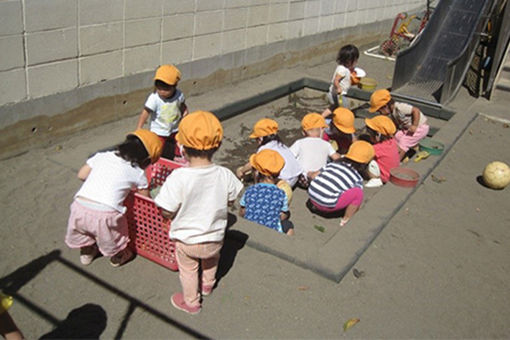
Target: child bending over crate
pixel 97 222
pixel 196 198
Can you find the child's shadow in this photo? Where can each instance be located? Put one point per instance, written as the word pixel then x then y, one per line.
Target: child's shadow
pixel 234 241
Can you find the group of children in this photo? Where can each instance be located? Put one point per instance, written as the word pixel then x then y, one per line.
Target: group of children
pixel 196 197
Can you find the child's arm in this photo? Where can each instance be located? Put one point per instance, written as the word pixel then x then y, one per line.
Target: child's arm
pixel 336 83
pixel 242 170
pixel 84 172
pixel 168 214
pixel 144 192
pixel 143 118
pixel 336 156
pixel 284 215
pixel 184 109
pixel 416 119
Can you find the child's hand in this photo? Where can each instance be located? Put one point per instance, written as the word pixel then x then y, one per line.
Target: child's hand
pixel 411 130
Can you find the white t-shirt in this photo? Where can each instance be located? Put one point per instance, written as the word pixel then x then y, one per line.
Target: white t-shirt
pixel 165 114
pixel 312 152
pixel 111 179
pixel 292 169
pixel 345 82
pixel 200 196
pixel 403 115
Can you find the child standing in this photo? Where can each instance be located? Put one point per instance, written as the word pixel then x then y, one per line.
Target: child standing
pixel 263 202
pixel 380 130
pixel 196 198
pixel 347 59
pixel 97 222
pixel 339 185
pixel 410 121
pixel 165 107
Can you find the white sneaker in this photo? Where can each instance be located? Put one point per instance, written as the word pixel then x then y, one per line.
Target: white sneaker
pixel 88 254
pixel 374 183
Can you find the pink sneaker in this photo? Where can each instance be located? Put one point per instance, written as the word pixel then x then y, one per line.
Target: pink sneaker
pixel 207 290
pixel 178 302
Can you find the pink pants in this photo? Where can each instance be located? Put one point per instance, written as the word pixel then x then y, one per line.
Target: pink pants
pixel 352 196
pixel 87 226
pixel 405 141
pixel 189 257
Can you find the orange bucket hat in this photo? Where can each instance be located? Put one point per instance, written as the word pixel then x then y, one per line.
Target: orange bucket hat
pixel 312 121
pixel 268 162
pixel 382 124
pixel 361 152
pixel 200 130
pixel 168 74
pixel 343 119
pixel 264 127
pixel 151 142
pixel 378 99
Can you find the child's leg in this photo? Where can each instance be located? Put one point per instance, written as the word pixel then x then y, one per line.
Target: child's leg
pixel 77 235
pixel 405 140
pixel 188 272
pixel 210 260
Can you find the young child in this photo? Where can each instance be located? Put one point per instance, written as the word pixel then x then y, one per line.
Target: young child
pixel 347 59
pixel 380 130
pixel 265 132
pixel 196 198
pixel 312 152
pixel 339 185
pixel 97 222
pixel 410 121
pixel 341 129
pixel 264 203
pixel 165 107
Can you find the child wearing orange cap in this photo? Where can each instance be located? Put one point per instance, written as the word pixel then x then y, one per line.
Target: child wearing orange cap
pixel 263 202
pixel 339 185
pixel 97 222
pixel 196 198
pixel 341 129
pixel 410 121
pixel 381 130
pixel 165 106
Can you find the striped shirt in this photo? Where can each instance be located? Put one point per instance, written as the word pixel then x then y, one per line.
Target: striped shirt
pixel 334 179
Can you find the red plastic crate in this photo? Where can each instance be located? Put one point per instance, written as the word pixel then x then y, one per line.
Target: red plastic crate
pixel 148 230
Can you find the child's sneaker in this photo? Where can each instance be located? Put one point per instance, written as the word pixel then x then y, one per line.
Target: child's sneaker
pixel 207 290
pixel 121 257
pixel 178 302
pixel 88 254
pixel 374 183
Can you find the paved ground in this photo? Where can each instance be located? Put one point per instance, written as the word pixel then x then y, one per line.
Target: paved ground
pixel 439 267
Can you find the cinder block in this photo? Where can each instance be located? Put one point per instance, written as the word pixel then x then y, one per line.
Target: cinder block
pixel 351 19
pixel 237 3
pixel 235 18
pixel 312 8
pixel 207 46
pixel 48 46
pixel 278 12
pixel 327 7
pixel 310 26
pixel 177 51
pixel 258 15
pixel 12 52
pixel 171 7
pixel 49 14
pixel 352 5
pixel 100 67
pixel 12 86
pixel 142 32
pixel 100 11
pixel 234 40
pixel 295 29
pixel 339 21
pixel 256 36
pixel 52 78
pixel 341 6
pixel 12 17
pixel 140 59
pixel 137 9
pixel 258 2
pixel 209 5
pixel 325 23
pixel 178 26
pixel 208 22
pixel 277 32
pixel 101 38
pixel 297 10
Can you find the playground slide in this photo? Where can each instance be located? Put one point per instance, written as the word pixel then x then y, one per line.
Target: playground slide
pixel 432 70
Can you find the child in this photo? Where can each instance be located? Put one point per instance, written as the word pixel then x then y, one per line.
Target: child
pixel 196 198
pixel 380 130
pixel 341 129
pixel 97 222
pixel 410 121
pixel 347 59
pixel 165 106
pixel 265 132
pixel 263 202
pixel 339 184
pixel 312 152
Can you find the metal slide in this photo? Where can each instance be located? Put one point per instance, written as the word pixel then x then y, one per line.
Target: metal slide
pixel 432 70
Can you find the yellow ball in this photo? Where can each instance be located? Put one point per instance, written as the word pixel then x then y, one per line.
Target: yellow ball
pixel 496 175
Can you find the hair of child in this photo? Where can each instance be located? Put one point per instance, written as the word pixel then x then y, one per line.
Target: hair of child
pixel 374 135
pixel 361 168
pixel 347 55
pixel 191 152
pixel 132 150
pixel 162 85
pixel 269 138
pixel 259 177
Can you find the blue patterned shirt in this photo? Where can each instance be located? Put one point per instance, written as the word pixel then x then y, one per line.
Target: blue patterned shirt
pixel 263 203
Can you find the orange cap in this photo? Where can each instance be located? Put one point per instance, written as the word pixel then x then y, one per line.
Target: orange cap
pixel 264 127
pixel 168 74
pixel 312 121
pixel 378 99
pixel 268 162
pixel 360 151
pixel 382 124
pixel 151 141
pixel 200 130
pixel 344 120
